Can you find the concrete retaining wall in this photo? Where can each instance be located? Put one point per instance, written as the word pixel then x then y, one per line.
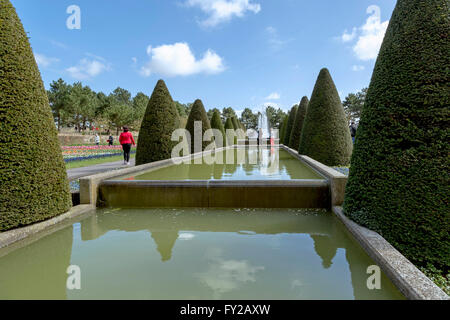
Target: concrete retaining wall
pixel 215 194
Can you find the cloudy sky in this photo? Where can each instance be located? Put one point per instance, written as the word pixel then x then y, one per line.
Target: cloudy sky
pixel 238 53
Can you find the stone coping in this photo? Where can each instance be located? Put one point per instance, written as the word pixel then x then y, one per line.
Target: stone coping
pixel 7 238
pixel 89 185
pixel 413 284
pixel 218 183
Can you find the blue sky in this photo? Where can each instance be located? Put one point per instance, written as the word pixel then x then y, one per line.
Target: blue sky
pixel 229 53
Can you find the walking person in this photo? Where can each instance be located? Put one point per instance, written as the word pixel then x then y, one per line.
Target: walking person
pixel 126 140
pixel 110 140
pixel 97 139
pixel 353 131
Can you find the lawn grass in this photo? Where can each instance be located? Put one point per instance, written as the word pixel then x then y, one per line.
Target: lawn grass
pixel 91 162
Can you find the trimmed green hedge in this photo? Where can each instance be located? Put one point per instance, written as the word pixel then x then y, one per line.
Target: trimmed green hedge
pixel 216 123
pixel 33 179
pixel 160 120
pixel 229 126
pixel 290 125
pixel 283 129
pixel 399 174
pixel 325 136
pixel 296 132
pixel 198 113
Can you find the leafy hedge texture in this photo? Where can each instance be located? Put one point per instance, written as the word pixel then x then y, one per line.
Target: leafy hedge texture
pixel 198 113
pixel 290 125
pixel 283 129
pixel 296 133
pixel 325 136
pixel 216 123
pixel 399 175
pixel 160 120
pixel 33 177
pixel 229 126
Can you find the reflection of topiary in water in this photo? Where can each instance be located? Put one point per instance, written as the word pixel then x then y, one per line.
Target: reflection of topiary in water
pixel 325 136
pixel 294 140
pixel 198 113
pixel 160 120
pixel 33 177
pixel 399 175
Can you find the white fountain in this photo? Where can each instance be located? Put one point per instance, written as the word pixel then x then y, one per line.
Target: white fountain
pixel 263 125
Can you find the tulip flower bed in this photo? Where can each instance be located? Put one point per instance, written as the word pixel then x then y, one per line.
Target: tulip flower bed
pixel 81 153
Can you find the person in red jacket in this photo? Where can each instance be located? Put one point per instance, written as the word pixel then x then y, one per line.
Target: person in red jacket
pixel 126 140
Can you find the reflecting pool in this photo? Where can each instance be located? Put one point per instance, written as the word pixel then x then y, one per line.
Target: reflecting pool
pixel 194 254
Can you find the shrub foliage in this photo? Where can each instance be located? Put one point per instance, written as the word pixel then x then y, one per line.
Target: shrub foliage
pixel 294 140
pixel 198 113
pixel 325 136
pixel 33 177
pixel 290 125
pixel 399 175
pixel 216 123
pixel 160 120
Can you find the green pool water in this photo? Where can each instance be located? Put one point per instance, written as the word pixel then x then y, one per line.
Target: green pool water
pixel 194 254
pixel 238 164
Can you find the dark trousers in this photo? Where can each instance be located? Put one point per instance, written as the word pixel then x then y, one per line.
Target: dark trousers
pixel 126 151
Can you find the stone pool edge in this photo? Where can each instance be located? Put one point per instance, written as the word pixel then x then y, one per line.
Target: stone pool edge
pixel 411 282
pixel 12 236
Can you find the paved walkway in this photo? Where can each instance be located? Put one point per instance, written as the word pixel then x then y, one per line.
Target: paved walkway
pixel 98 168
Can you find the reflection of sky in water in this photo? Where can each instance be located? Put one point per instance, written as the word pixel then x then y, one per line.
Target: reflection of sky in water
pixel 226 275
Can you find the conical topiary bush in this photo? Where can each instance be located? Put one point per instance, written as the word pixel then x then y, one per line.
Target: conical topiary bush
pixel 198 113
pixel 160 120
pixel 290 125
pixel 216 123
pixel 296 133
pixel 283 129
pixel 33 178
pixel 399 175
pixel 231 139
pixel 325 136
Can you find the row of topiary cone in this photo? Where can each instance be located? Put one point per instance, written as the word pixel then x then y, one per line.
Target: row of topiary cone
pixel 161 119
pixel 399 176
pixel 318 128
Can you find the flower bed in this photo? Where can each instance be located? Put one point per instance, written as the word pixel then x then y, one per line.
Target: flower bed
pixel 80 153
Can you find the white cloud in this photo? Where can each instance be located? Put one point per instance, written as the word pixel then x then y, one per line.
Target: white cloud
pixel 275 42
pixel 370 35
pixel 357 68
pixel 44 61
pixel 347 37
pixel 86 69
pixel 273 96
pixel 220 11
pixel 178 60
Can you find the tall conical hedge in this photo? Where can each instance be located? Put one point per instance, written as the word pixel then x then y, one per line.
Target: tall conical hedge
pixel 198 113
pixel 33 179
pixel 296 132
pixel 325 136
pixel 160 120
pixel 229 126
pixel 399 177
pixel 216 123
pixel 283 129
pixel 290 125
